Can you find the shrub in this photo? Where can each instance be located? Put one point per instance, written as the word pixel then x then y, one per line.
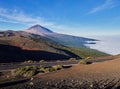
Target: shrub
pixel 72 59
pixel 45 70
pixel 29 71
pixel 89 58
pixel 83 61
pixel 26 71
pixel 50 69
pixel 57 67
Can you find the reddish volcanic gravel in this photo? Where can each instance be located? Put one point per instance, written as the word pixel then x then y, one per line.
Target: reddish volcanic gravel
pixel 103 75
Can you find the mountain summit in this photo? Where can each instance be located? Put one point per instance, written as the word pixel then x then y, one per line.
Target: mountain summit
pixel 38 29
pixel 63 39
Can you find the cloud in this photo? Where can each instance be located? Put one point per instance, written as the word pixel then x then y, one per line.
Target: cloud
pixel 106 5
pixel 8 21
pixel 15 16
pixel 19 17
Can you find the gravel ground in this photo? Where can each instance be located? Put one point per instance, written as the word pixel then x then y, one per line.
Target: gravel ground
pixel 103 75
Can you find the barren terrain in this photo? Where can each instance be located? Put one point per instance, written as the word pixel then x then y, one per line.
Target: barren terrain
pixel 100 75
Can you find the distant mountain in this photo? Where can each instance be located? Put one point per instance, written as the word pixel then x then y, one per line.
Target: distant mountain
pixel 37 29
pixel 16 46
pixel 64 39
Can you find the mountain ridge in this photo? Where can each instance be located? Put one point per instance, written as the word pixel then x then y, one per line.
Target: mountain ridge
pixel 64 39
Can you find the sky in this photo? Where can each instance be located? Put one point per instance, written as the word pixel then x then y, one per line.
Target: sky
pixel 75 17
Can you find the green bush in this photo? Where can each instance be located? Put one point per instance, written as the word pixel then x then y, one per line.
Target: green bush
pixel 45 70
pixel 83 61
pixel 27 71
pixel 31 72
pixel 50 69
pixel 57 67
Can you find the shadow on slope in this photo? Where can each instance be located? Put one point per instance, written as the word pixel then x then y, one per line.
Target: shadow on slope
pixel 15 54
pixel 68 52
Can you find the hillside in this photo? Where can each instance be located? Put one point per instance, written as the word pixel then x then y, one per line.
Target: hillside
pixel 75 44
pixel 19 46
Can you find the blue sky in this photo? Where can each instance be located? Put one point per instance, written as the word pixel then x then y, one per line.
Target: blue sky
pixel 76 17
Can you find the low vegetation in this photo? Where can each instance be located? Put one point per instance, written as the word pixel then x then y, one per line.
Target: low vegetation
pixel 26 71
pixel 86 52
pixel 29 71
pixel 72 59
pixel 86 60
pixel 83 61
pixel 57 67
pixel 50 69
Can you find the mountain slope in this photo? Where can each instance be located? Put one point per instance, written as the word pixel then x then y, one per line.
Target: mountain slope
pixel 19 46
pixel 64 39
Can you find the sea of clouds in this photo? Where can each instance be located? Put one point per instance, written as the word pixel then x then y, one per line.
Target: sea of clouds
pixel 107 44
